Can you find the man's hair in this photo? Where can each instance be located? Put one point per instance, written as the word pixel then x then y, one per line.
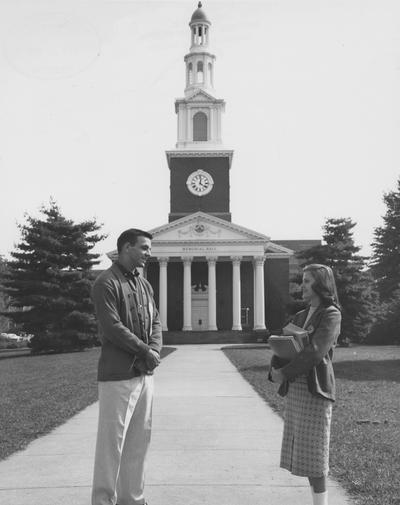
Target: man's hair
pixel 130 236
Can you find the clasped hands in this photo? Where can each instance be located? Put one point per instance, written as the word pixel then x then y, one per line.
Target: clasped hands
pixel 152 359
pixel 148 362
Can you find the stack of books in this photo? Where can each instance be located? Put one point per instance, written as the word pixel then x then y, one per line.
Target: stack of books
pixel 290 343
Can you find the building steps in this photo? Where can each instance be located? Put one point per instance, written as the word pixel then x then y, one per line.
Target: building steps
pixel 214 337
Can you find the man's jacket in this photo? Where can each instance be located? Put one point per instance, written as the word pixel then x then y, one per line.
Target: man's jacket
pixel 315 360
pixel 123 344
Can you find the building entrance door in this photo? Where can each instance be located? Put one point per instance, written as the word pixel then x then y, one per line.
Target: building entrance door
pixel 200 296
pixel 200 315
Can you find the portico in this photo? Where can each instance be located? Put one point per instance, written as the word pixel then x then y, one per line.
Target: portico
pixel 210 293
pixel 204 258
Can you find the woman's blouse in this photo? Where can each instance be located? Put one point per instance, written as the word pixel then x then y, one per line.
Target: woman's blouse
pixel 311 311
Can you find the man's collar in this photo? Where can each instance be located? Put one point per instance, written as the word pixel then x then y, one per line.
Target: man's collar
pixel 127 273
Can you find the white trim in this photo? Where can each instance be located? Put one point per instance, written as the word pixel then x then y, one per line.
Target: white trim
pixel 278 255
pixel 250 235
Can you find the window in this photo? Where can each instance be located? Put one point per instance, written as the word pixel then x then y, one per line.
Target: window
pixel 210 75
pixel 190 74
pixel 200 127
pixel 200 72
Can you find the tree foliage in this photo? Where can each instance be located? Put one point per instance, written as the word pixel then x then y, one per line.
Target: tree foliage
pixel 49 280
pixel 385 262
pixel 386 329
pixel 385 266
pixel 4 299
pixel 354 283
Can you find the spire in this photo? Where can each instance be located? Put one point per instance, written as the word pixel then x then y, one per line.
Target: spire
pixel 199 112
pixel 199 14
pixel 199 61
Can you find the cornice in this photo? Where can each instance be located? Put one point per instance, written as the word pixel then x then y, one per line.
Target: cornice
pixel 212 243
pixel 208 97
pixel 277 255
pixel 209 153
pixel 275 248
pixel 198 53
pixel 200 104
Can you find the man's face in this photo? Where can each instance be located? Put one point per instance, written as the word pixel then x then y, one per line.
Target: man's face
pixel 139 252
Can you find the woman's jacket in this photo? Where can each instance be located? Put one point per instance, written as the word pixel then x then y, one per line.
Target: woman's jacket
pixel 315 360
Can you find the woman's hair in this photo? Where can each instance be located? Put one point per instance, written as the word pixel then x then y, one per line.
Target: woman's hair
pixel 324 284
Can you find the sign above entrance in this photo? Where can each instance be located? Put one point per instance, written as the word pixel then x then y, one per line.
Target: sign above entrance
pixel 198 249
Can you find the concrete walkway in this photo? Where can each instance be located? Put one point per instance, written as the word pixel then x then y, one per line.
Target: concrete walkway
pixel 214 442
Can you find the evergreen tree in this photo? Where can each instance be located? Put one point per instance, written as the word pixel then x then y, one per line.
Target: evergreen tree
pixel 385 266
pixel 386 329
pixel 4 299
pixel 354 283
pixel 385 263
pixel 49 280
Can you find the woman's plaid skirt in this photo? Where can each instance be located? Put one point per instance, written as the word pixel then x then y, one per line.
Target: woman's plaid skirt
pixel 305 444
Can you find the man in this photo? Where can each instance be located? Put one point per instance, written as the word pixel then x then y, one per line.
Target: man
pixel 131 339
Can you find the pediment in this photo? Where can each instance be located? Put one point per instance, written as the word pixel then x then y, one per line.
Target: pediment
pixel 203 233
pixel 201 96
pixel 201 227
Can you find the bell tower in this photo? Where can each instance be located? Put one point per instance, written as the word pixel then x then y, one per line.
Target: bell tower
pixel 200 164
pixel 199 62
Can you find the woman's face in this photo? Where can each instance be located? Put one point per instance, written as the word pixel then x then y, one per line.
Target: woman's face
pixel 306 286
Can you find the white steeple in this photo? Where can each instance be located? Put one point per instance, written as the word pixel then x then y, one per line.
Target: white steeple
pixel 199 61
pixel 199 112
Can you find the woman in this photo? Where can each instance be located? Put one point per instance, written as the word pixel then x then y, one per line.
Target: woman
pixel 308 383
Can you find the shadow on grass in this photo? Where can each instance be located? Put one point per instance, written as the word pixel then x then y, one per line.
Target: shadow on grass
pixel 245 346
pixel 13 356
pixel 255 369
pixel 365 370
pixel 27 353
pixel 368 370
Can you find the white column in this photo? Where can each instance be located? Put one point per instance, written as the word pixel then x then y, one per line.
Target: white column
pixel 211 125
pixel 259 322
pixel 212 294
pixel 236 307
pixel 163 262
pixel 254 296
pixel 189 129
pixel 181 124
pixel 217 125
pixel 187 294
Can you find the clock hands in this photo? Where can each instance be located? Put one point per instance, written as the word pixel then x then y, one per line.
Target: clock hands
pixel 200 183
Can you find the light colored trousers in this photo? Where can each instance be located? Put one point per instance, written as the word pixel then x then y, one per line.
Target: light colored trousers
pixel 123 437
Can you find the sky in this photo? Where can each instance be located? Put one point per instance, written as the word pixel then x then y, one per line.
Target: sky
pixel 87 91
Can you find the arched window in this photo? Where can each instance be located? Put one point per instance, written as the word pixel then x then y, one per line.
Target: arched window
pixel 190 74
pixel 199 126
pixel 210 75
pixel 200 72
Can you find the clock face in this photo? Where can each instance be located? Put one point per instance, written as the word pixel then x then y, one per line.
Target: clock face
pixel 200 183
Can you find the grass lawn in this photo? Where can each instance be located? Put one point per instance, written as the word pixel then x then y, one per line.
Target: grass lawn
pixel 365 438
pixel 39 393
